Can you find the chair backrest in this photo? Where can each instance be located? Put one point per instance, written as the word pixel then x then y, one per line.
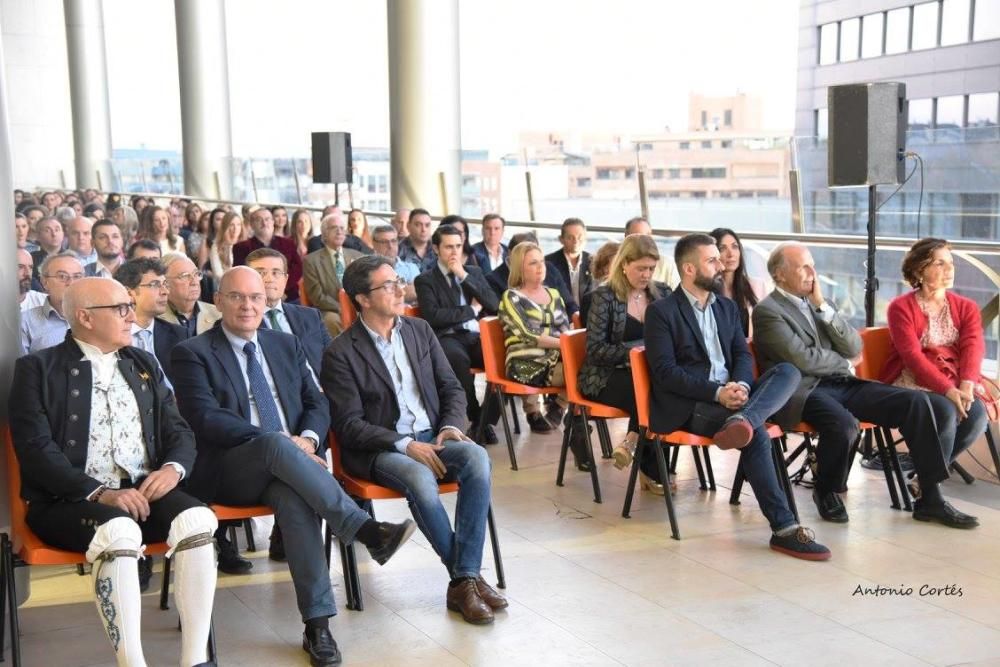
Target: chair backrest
pixel 334 448
pixel 303 297
pixel 875 348
pixel 494 351
pixel 347 312
pixel 640 382
pixel 753 358
pixel 411 311
pixel 577 320
pixel 18 507
pixel 573 348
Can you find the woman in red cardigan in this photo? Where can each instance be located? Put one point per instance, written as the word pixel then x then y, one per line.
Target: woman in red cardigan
pixel 937 340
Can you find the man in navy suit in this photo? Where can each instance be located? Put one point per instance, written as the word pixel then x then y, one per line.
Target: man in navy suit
pixel 260 424
pixel 702 382
pixel 491 253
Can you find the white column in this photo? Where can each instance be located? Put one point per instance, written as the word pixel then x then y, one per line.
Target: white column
pixel 88 87
pixel 204 81
pixel 425 129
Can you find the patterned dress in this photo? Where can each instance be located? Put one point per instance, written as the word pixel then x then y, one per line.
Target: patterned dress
pixel 523 322
pixel 940 332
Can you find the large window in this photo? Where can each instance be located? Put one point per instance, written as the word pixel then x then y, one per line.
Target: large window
pixel 828 44
pixel 850 38
pixel 955 22
pixel 983 109
pixel 986 24
pixel 871 35
pixel 921 114
pixel 925 25
pixel 897 31
pixel 708 172
pixel 822 123
pixel 950 111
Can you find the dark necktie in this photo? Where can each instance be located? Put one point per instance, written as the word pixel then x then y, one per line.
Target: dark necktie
pixel 272 315
pixel 270 421
pixel 456 287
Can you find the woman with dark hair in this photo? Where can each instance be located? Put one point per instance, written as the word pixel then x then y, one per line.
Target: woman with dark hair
pixel 301 230
pixel 357 226
pixel 459 223
pixel 280 214
pixel 154 224
pixel 737 285
pixel 937 343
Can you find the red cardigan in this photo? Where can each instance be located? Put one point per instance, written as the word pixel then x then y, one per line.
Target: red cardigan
pixel 907 324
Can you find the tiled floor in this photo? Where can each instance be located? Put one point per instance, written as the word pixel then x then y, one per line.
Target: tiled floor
pixel 589 587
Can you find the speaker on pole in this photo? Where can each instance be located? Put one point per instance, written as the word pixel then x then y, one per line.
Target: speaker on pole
pixel 867 134
pixel 331 157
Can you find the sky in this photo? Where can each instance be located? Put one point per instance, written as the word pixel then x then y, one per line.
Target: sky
pixel 309 65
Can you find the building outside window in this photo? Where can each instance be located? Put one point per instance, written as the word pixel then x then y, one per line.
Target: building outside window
pixel 684 145
pixel 706 144
pixel 727 117
pixel 983 109
pixel 603 173
pixel 921 114
pixel 726 143
pixel 986 24
pixel 850 36
pixel 828 44
pixel 897 31
pixel 925 23
pixel 871 35
pixel 955 22
pixel 674 173
pixel 950 111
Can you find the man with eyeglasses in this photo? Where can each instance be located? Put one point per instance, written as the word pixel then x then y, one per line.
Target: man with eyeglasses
pixel 322 271
pixel 44 326
pixel 102 449
pixel 107 242
pixel 398 411
pixel 385 239
pixel 184 306
pixel 260 422
pixel 262 222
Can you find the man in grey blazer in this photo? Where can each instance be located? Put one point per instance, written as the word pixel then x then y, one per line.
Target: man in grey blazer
pixel 795 324
pixel 323 271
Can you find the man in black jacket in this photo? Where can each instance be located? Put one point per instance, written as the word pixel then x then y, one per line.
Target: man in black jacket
pixel 452 298
pixel 102 448
pixel 572 261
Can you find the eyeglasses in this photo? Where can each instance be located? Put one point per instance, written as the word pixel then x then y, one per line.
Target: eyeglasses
pixel 274 273
pixel 387 241
pixel 65 278
pixel 155 285
pixel 189 276
pixel 123 308
pixel 390 285
pixel 238 298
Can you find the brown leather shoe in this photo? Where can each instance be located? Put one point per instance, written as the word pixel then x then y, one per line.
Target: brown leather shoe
pixel 490 595
pixel 464 598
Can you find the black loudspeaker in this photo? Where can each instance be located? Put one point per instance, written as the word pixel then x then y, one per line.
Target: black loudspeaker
pixel 331 156
pixel 867 134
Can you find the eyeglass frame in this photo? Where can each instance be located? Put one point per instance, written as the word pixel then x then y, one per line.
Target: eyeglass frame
pixel 156 285
pixel 399 283
pixel 123 308
pixel 197 274
pixel 69 277
pixel 238 298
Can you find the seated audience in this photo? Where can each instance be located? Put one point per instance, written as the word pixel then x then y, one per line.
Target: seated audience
pixel 323 271
pixel 201 238
pixel 459 223
pixel 261 441
pixel 615 325
pixel 417 248
pixel 144 249
pixel 22 230
pixel 27 297
pixel 79 240
pixel 155 225
pixel 794 323
pixel 107 242
pixel 937 339
pixel 350 242
pixel 600 266
pixel 736 283
pixel 665 272
pixel 398 424
pixel 94 211
pixel 50 241
pixel 128 222
pixel 107 483
pixel 45 325
pixel 491 253
pixel 357 227
pixel 702 381
pixel 533 317
pixel 302 230
pixel 452 298
pixel 184 306
pixel 263 237
pixel 399 220
pixel 280 215
pixel 227 235
pixel 572 261
pixel 498 278
pixel 386 244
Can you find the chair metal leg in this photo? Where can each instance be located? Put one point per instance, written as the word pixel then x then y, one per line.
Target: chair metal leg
pixel 248 531
pixel 3 591
pixel 563 452
pixel 884 437
pixel 708 468
pixel 165 585
pixel 359 602
pixel 14 625
pixel 734 495
pixel 348 582
pixel 668 497
pixel 590 455
pixel 513 414
pixel 875 435
pixel 213 652
pixel 605 436
pixel 231 529
pixel 506 429
pixel 633 476
pixel 782 471
pixel 328 545
pixel 991 443
pixel 675 452
pixel 701 471
pixel 495 541
pixel 963 473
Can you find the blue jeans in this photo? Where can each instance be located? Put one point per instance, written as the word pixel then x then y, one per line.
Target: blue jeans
pixel 461 549
pixel 767 395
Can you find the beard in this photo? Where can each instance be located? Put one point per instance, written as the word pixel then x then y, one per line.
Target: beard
pixel 24 285
pixel 709 283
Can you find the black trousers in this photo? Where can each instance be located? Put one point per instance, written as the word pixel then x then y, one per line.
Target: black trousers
pixel 619 393
pixel 465 352
pixel 71 525
pixel 835 406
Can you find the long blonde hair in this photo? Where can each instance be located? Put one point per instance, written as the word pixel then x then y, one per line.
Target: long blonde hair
pixel 516 263
pixel 633 248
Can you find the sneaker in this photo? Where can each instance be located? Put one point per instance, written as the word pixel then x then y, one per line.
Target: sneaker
pixel 800 543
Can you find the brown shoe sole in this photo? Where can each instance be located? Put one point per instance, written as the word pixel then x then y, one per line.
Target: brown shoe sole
pixel 485 620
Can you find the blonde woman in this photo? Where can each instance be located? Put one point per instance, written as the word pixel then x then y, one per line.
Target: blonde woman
pixel 220 256
pixel 302 230
pixel 154 224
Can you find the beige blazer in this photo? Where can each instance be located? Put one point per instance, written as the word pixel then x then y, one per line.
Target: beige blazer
pixel 320 278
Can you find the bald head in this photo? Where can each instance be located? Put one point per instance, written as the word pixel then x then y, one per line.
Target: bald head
pixel 92 306
pixel 241 299
pixel 78 235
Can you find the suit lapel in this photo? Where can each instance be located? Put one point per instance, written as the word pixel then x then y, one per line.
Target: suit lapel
pixel 687 312
pixel 140 381
pixel 326 266
pixel 366 348
pixel 796 314
pixel 411 345
pixel 223 352
pixel 445 287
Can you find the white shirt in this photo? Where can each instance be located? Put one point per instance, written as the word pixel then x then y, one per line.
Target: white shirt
pixel 574 275
pixel 33 298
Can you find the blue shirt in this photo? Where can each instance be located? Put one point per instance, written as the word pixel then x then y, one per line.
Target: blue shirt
pixel 407 253
pixel 408 271
pixel 705 318
pixel 41 327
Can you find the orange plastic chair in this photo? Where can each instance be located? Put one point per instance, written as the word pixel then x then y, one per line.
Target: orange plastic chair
pixel 411 311
pixel 347 311
pixel 303 297
pixel 643 387
pixel 573 348
pixel 577 320
pixel 491 337
pixel 365 491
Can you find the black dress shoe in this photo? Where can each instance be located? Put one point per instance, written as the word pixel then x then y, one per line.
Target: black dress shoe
pixel 537 423
pixel 230 560
pixel 321 647
pixel 145 573
pixel 830 506
pixel 276 551
pixel 489 436
pixel 554 414
pixel 945 514
pixel 391 537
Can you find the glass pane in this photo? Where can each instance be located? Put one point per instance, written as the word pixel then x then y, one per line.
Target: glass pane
pixel 986 25
pixel 949 111
pixel 850 33
pixel 955 22
pixel 871 42
pixel 920 114
pixel 822 123
pixel 897 30
pixel 982 109
pixel 925 19
pixel 828 44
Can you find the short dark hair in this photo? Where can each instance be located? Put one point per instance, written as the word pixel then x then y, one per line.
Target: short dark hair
pixel 263 253
pixel 91 208
pixel 521 238
pixel 358 276
pixel 919 257
pixel 687 244
pixel 147 244
pixel 103 222
pixel 417 211
pixel 131 272
pixel 444 230
pixel 452 219
pixel 383 229
pixel 632 221
pixel 494 216
pixel 569 222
